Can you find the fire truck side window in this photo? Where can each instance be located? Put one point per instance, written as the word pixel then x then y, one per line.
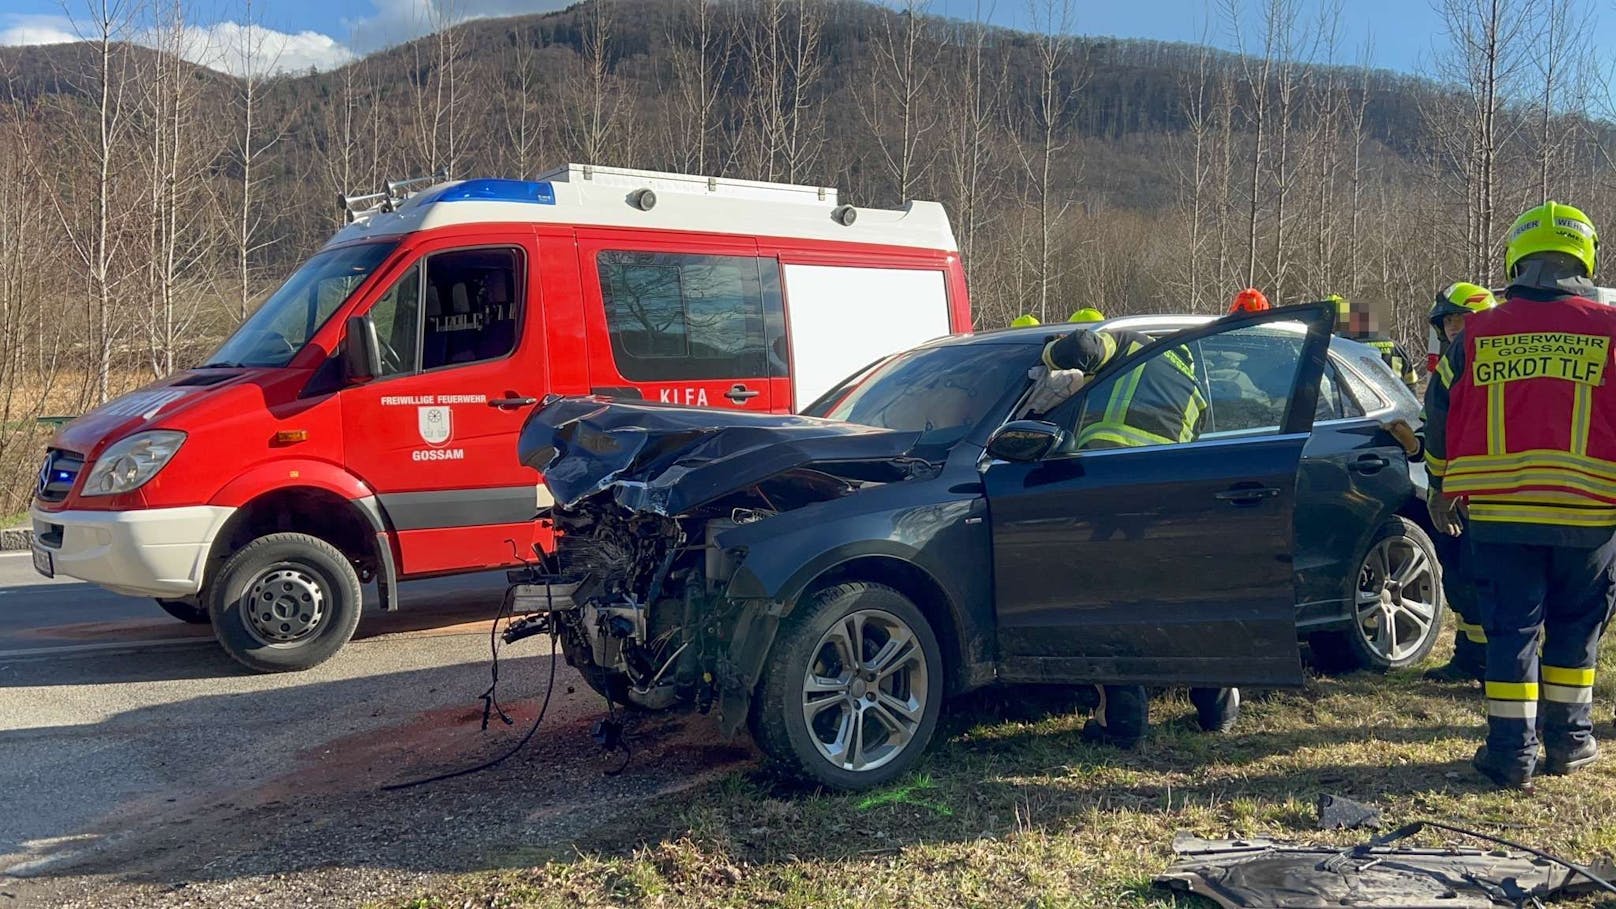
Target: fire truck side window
pixel 677 317
pixel 471 306
pixel 397 317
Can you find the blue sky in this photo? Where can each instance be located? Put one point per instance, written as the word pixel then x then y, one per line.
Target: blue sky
pixel 323 33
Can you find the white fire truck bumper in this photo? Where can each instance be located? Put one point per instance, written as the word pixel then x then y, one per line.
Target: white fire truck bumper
pixel 153 552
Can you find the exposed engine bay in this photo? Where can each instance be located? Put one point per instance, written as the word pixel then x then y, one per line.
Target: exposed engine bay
pixel 638 589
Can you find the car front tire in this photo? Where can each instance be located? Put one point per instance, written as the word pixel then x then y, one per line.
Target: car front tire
pixel 852 690
pixel 1397 604
pixel 284 602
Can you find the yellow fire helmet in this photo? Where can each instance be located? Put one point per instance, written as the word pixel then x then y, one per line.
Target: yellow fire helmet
pixel 1462 299
pixel 1552 227
pixel 1026 320
pixel 1087 314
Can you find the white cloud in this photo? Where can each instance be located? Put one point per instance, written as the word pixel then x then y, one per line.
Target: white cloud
pixel 18 29
pixel 238 49
pixel 233 48
pixel 396 21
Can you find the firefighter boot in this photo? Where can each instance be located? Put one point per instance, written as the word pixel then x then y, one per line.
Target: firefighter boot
pixel 1122 719
pixel 1506 773
pixel 1563 762
pixel 1459 668
pixel 1216 709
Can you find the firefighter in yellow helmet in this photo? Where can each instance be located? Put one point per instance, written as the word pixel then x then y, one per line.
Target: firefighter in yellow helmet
pixel 1519 411
pixel 1025 320
pixel 1087 314
pixel 1356 322
pixel 1453 305
pixel 1164 405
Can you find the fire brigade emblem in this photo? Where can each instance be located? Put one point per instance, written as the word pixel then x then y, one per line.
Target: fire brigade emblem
pixel 436 424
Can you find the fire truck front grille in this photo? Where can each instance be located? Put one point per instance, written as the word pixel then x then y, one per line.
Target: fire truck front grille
pixel 59 473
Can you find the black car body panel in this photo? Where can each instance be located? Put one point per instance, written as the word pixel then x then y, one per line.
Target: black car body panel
pixel 1062 570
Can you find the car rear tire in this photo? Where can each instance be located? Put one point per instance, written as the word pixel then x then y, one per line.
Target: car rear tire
pixel 850 720
pixel 1397 604
pixel 185 611
pixel 284 602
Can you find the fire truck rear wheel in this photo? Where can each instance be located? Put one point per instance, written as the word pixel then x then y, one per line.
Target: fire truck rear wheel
pixel 284 602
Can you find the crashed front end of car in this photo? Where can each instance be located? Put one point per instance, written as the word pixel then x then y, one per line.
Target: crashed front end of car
pixel 649 587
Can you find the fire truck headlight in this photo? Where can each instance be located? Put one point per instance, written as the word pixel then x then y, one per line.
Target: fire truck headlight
pixel 129 463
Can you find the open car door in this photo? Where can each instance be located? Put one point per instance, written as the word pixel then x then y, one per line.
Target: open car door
pixel 1165 563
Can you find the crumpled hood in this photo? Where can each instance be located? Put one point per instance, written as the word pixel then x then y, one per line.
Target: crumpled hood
pixel 669 460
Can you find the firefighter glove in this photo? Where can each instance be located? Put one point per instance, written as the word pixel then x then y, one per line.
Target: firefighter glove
pixel 1051 387
pixel 1405 436
pixel 1446 512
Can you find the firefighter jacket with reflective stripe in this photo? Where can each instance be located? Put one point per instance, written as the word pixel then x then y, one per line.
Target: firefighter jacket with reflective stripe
pixel 1393 354
pixel 1158 404
pixel 1522 414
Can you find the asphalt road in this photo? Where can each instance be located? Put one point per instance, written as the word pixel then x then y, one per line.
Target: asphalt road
pixel 110 710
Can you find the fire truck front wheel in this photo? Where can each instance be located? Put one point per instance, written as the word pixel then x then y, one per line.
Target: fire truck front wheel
pixel 284 602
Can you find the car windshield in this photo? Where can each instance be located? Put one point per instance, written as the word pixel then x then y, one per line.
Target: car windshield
pixel 280 328
pixel 941 391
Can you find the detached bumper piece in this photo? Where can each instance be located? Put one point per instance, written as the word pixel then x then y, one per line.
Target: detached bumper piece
pixel 1259 872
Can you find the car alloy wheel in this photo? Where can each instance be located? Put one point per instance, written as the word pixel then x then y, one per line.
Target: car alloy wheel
pixel 1397 601
pixel 864 694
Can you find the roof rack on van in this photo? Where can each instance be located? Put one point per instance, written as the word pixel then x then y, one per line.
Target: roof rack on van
pixel 660 181
pixel 360 207
pixel 616 197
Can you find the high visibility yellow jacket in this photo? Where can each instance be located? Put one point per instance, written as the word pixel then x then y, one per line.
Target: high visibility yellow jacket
pixel 1158 404
pixel 1522 420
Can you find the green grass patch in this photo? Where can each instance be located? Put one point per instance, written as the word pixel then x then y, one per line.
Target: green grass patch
pixel 1011 808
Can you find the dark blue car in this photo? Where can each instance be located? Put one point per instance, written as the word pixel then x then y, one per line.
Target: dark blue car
pixel 828 580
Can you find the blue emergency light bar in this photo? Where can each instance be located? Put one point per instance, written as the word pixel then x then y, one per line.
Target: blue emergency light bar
pixel 494 190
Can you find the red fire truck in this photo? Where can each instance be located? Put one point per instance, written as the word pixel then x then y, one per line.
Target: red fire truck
pixel 360 427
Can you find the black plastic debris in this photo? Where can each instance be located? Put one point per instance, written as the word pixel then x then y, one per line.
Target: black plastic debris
pixel 1341 813
pixel 1275 875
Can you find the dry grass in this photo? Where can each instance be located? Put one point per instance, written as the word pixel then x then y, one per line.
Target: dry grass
pixel 23 439
pixel 1011 809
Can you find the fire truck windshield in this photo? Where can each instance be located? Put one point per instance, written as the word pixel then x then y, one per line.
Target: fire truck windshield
pixel 280 328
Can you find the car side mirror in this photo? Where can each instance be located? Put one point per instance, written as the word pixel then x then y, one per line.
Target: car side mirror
pixel 1025 440
pixel 361 351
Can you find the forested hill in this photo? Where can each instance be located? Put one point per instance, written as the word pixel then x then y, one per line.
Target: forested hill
pixel 1136 176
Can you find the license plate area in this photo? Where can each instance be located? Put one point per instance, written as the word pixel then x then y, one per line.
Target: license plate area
pixel 44 563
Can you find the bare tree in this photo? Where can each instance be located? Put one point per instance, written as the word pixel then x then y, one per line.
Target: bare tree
pixel 595 100
pixel 783 117
pixel 701 53
pixel 256 60
pixel 1056 85
pixel 176 159
pixel 969 138
pixel 96 224
pixel 519 104
pixel 437 92
pixel 899 108
pixel 1489 52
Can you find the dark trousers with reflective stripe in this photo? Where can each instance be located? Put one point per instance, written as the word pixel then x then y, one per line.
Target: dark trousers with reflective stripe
pixel 1459 588
pixel 1563 594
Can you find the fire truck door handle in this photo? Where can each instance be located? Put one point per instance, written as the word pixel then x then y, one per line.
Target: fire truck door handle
pixel 741 394
pixel 509 402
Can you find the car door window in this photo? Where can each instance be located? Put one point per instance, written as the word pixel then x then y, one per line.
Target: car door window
pixel 1233 383
pixel 680 317
pixel 1330 405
